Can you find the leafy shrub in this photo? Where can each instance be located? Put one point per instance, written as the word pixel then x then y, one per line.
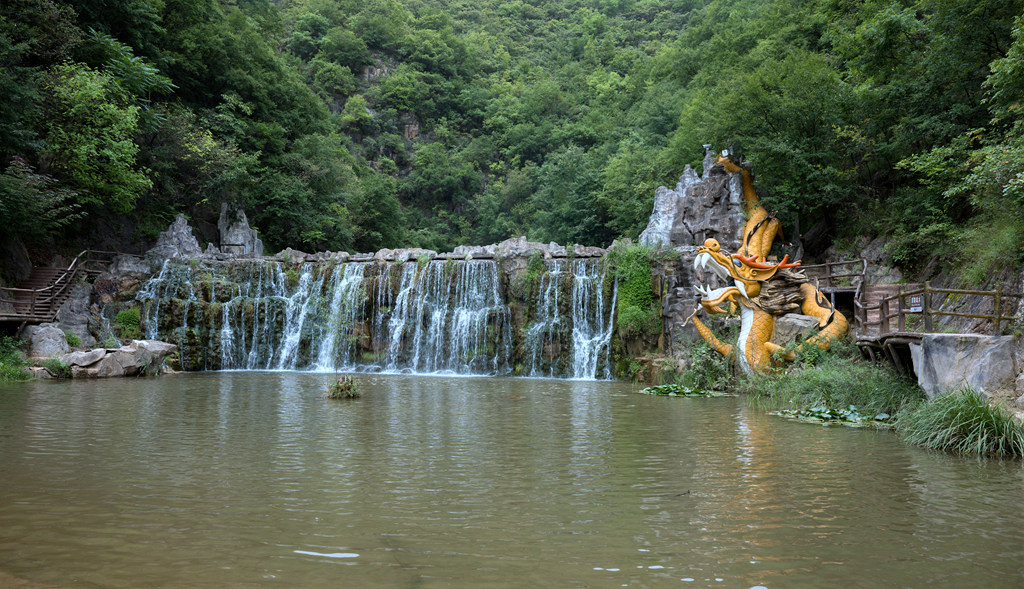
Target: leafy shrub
pixel 12 360
pixel 631 266
pixel 128 323
pixel 962 422
pixel 72 338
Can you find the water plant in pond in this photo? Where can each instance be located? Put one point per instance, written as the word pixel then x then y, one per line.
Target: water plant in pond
pixel 677 390
pixel 962 422
pixel 848 415
pixel 342 387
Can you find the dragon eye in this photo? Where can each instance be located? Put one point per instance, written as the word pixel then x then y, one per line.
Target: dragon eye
pixel 736 262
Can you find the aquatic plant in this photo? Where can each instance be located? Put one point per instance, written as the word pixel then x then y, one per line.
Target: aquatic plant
pixel 962 422
pixel 342 387
pixel 676 390
pixel 848 415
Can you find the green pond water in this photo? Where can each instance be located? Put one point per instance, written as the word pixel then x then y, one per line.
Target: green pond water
pixel 250 479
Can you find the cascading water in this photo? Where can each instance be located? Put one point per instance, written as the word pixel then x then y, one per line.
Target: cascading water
pixel 443 317
pixel 570 325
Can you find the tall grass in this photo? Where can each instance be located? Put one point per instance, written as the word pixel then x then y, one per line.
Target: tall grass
pixel 834 379
pixel 962 422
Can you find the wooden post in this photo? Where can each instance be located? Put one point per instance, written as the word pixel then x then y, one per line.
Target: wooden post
pixel 901 321
pixel 926 307
pixel 828 273
pixel 883 316
pixel 999 307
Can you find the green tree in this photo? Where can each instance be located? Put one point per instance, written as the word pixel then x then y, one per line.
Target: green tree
pixel 90 132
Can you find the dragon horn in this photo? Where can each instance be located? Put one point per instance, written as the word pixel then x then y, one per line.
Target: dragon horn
pixel 753 262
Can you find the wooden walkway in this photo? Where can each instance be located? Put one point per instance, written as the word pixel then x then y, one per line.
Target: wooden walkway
pixel 38 299
pixel 890 318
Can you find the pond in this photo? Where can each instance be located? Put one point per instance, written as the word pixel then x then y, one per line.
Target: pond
pixel 251 479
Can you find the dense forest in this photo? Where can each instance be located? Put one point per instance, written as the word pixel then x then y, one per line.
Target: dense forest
pixel 354 125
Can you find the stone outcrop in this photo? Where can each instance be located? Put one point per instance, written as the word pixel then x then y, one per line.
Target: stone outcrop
pixel 45 340
pixel 177 242
pixel 698 208
pixel 236 237
pixel 75 313
pixel 139 358
pixel 944 362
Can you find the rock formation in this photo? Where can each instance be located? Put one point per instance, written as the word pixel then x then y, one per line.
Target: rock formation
pixel 177 242
pixel 698 208
pixel 236 237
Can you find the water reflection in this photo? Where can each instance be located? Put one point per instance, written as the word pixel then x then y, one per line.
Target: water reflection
pixel 251 479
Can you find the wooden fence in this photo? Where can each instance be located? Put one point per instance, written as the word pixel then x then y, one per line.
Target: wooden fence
pixel 918 302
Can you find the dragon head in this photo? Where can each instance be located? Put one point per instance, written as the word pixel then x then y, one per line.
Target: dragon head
pixel 746 274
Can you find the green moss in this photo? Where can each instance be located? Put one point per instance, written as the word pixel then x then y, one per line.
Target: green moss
pixel 635 309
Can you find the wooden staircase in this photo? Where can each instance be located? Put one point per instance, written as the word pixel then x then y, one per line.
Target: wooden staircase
pixel 38 299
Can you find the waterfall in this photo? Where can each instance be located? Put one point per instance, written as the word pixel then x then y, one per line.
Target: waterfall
pixel 434 317
pixel 570 325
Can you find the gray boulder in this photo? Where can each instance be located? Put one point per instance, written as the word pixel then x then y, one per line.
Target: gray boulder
pixel 45 341
pixel 793 327
pixel 83 358
pixel 474 251
pixel 947 361
pixel 139 358
pixel 236 237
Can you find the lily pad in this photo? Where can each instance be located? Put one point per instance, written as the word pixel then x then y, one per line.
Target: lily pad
pixel 676 390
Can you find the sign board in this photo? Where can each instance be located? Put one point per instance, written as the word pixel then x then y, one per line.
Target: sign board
pixel 915 303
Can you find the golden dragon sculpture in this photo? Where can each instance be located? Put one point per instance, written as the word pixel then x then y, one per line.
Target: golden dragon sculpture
pixel 760 290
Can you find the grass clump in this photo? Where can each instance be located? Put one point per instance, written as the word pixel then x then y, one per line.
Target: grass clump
pixel 962 422
pixel 57 368
pixel 342 388
pixel 12 359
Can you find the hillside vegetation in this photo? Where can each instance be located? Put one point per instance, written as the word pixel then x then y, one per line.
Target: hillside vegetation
pixel 355 125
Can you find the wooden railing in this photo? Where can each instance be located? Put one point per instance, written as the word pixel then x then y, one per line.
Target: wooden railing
pixel 918 302
pixel 42 304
